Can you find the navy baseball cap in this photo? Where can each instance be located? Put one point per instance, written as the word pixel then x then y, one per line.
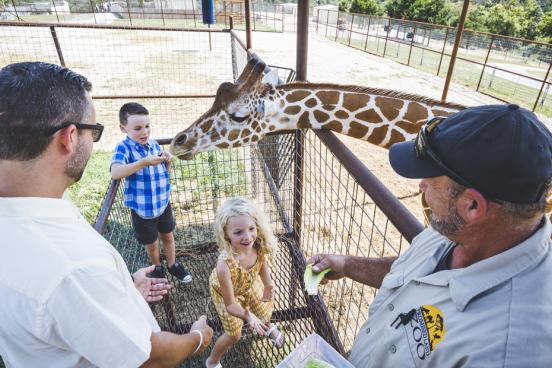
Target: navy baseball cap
pixel 503 151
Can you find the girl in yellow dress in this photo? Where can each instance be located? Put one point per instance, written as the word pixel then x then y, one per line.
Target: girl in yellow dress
pixel 240 284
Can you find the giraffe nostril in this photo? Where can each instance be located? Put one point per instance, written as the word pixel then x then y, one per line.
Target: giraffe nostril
pixel 181 140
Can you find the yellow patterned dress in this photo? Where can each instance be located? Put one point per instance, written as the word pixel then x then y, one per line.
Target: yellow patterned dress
pixel 248 291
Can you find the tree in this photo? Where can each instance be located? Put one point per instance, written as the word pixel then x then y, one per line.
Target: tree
pixel 398 8
pixel 545 26
pixel 431 11
pixel 344 5
pixel 371 7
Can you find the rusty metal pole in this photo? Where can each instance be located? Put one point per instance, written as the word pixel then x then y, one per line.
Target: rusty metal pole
pixel 542 86
pixel 301 67
pixel 351 29
pixel 485 63
pixel 455 49
pixel 248 24
pixel 367 32
pixel 442 51
pixel 55 10
pixel 411 44
pixel 387 36
pixel 58 47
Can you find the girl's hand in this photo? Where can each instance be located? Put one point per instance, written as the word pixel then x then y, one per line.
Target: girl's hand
pixel 267 293
pixel 256 324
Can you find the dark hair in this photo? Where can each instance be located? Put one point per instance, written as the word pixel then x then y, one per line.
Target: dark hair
pixel 35 97
pixel 131 108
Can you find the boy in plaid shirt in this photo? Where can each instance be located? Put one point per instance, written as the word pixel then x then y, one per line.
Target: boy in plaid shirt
pixel 145 167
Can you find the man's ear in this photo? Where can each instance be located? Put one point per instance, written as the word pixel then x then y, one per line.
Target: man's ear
pixel 68 139
pixel 472 205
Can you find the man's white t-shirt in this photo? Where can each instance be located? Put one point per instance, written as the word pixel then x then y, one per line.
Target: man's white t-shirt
pixel 67 298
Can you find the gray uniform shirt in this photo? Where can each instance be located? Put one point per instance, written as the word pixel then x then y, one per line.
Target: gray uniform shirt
pixel 494 313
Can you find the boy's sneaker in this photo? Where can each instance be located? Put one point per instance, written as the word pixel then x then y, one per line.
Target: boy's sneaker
pixel 178 271
pixel 158 272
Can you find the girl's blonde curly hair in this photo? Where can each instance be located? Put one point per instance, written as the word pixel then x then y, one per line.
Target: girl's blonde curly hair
pixel 238 206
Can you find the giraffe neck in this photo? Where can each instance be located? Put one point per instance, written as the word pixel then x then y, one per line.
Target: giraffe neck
pixel 381 117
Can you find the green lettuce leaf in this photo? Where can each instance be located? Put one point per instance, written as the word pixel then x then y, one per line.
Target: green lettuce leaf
pixel 313 279
pixel 317 363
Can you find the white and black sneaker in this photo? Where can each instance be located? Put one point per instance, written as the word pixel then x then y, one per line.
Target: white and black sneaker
pixel 178 271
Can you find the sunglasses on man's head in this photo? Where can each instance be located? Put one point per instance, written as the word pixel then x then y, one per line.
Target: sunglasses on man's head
pixel 424 150
pixel 97 129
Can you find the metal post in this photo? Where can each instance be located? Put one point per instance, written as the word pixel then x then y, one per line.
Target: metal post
pixel 162 12
pixel 248 24
pixel 93 11
pixel 411 44
pixel 231 19
pixel 194 14
pixel 485 63
pixel 455 49
pixel 224 5
pixel 327 21
pixel 283 18
pixel 128 11
pixel 58 47
pixel 336 26
pixel 55 10
pixel 543 83
pixel 442 51
pixel 15 10
pixel 387 35
pixel 367 32
pixel 351 28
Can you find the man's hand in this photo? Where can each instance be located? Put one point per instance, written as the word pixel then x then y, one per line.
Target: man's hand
pixel 334 262
pixel 152 289
pixel 207 332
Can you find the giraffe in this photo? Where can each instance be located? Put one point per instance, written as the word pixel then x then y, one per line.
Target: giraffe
pixel 244 111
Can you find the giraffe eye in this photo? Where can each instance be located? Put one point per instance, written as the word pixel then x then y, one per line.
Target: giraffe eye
pixel 238 119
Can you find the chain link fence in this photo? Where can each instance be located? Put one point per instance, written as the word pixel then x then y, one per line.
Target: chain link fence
pixel 509 69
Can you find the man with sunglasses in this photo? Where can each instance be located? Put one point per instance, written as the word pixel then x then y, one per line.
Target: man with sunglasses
pixel 68 299
pixel 474 289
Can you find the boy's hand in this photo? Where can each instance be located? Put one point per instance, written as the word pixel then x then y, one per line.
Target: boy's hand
pixel 167 156
pixel 152 160
pixel 267 293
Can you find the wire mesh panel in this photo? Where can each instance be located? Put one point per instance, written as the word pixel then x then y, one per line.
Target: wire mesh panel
pixel 338 217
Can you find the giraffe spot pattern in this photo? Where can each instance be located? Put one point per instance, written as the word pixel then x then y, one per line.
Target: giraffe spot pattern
pixel 340 114
pixel 390 107
pixel 223 145
pixel 311 102
pixel 328 97
pixel 297 96
pixel 234 134
pixel 410 127
pixel 304 121
pixel 354 101
pixel 320 116
pixel 245 133
pixel 284 120
pixel 378 135
pixel 328 107
pixel 369 116
pixel 439 112
pixel 357 130
pixel 415 112
pixel 292 110
pixel 206 126
pixel 254 138
pixel 223 132
pixel 334 125
pixel 395 138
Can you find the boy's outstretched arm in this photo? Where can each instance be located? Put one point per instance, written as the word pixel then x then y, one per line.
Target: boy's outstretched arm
pixel 119 171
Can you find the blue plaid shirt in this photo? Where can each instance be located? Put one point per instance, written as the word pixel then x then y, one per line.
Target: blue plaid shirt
pixel 148 190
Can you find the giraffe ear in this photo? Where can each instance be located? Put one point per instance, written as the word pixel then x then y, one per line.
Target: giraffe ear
pixel 271 78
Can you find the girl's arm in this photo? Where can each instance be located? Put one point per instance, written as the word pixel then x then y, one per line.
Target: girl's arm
pixel 267 281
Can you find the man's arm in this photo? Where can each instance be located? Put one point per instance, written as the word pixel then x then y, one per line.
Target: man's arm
pixel 367 271
pixel 168 349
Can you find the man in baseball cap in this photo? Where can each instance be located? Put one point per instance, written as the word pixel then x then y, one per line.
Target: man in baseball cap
pixel 474 289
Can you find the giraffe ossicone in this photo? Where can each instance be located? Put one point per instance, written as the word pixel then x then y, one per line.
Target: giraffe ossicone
pixel 244 111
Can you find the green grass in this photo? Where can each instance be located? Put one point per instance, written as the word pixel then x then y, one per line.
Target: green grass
pixel 88 193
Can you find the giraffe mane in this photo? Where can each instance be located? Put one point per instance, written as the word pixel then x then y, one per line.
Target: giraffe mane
pixel 374 91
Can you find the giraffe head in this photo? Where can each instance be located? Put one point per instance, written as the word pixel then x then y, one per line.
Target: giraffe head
pixel 236 117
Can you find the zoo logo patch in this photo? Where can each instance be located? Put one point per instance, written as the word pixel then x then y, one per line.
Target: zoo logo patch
pixel 428 329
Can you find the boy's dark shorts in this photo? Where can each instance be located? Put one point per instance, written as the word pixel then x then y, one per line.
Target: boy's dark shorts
pixel 147 230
